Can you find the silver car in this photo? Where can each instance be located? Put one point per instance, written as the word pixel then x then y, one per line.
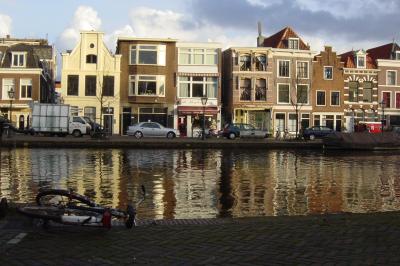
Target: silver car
pixel 151 129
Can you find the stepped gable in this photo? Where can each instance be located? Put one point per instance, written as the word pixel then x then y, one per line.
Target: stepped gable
pixel 280 39
pixel 384 51
pixel 349 60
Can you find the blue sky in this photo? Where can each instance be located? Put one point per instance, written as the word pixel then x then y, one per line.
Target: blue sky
pixel 344 24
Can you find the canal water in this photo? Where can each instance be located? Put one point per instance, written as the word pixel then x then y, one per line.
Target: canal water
pixel 210 183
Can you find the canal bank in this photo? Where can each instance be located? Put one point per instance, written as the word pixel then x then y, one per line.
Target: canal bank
pixel 155 143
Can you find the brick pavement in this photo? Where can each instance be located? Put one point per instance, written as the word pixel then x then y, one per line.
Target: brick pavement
pixel 344 239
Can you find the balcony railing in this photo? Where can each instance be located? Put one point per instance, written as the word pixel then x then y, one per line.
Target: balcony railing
pixel 245 93
pixel 261 93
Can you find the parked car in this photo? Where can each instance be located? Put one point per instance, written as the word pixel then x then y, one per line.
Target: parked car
pixel 151 129
pixel 316 132
pixel 236 130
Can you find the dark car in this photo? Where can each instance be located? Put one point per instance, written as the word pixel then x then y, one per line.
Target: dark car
pixel 316 132
pixel 235 130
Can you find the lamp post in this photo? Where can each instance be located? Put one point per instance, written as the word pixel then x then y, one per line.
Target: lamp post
pixel 11 94
pixel 204 102
pixel 382 103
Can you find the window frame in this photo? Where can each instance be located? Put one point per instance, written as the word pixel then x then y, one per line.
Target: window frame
pixel 390 97
pixel 9 86
pixel 308 92
pixel 90 58
pixel 277 93
pixel 332 98
pixel 294 39
pixel 89 90
pixel 372 91
pixel 395 77
pixel 104 89
pixel 365 61
pixel 325 77
pixel 308 69
pixel 397 93
pixel 21 84
pixel 19 54
pixel 161 50
pixel 68 84
pixel 204 83
pixel 160 80
pixel 278 68
pixel 357 92
pixel 316 98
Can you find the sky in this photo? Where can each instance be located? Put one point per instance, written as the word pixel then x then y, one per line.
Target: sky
pixel 343 24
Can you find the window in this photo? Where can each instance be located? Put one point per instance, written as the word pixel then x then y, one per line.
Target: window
pixel 386 99
pixel 26 88
pixel 335 98
pixel 245 63
pixel 293 43
pixel 8 84
pixel 367 92
pixel 18 59
pixel 188 56
pixel 305 121
pixel 328 72
pixel 261 90
pixel 397 100
pixel 317 120
pixel 146 85
pixel 398 55
pixel 90 85
pixel 245 89
pixel 302 70
pixel 292 123
pixel 185 56
pixel 132 86
pixel 280 122
pixel 198 87
pixel 283 93
pixel 261 63
pixel 73 85
pixel 361 61
pixel 91 59
pixel 283 68
pixel 148 54
pixel 321 98
pixel 108 85
pixel 391 77
pixel 302 94
pixel 353 91
pixel 90 112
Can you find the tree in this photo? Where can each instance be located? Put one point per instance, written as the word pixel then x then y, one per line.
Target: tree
pixel 298 98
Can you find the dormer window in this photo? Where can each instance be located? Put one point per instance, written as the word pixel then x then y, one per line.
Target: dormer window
pixel 360 61
pixel 91 59
pixel 18 59
pixel 293 43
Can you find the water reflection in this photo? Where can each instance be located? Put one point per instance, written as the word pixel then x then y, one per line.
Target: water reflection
pixel 214 183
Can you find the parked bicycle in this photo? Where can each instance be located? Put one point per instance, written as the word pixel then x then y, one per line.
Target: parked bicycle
pixel 70 208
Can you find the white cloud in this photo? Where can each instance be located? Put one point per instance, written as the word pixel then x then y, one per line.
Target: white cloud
pixel 264 3
pixel 85 19
pixel 5 25
pixel 349 9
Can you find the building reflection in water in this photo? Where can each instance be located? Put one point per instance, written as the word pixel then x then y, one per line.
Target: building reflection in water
pixel 209 183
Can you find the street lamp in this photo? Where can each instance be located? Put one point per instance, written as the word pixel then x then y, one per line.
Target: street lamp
pixel 204 102
pixel 382 104
pixel 11 94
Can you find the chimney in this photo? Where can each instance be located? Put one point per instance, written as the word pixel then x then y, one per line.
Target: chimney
pixel 260 38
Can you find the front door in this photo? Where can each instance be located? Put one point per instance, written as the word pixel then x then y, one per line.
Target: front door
pixel 108 123
pixel 21 122
pixel 126 122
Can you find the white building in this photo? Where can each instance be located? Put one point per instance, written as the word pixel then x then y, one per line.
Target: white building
pixel 91 80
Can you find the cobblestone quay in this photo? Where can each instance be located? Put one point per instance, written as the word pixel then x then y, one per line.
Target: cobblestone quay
pixel 158 143
pixel 341 239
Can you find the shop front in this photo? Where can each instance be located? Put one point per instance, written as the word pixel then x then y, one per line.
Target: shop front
pixel 190 119
pixel 260 118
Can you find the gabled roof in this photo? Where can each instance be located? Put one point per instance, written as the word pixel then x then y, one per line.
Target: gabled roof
pixel 384 51
pixel 280 39
pixel 350 62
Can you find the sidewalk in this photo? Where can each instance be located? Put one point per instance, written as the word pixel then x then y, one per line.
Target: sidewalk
pixel 157 143
pixel 342 239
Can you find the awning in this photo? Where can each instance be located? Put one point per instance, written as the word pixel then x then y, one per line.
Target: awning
pixel 186 74
pixel 188 110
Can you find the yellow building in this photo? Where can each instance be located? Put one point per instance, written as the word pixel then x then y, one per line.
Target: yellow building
pixel 91 81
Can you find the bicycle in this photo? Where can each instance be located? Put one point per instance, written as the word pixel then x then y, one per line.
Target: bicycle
pixel 69 208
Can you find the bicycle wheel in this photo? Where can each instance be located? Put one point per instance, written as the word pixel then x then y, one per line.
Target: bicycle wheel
pixel 40 212
pixel 61 197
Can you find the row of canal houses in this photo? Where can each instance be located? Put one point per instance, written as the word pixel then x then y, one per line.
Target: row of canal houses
pixel 280 83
